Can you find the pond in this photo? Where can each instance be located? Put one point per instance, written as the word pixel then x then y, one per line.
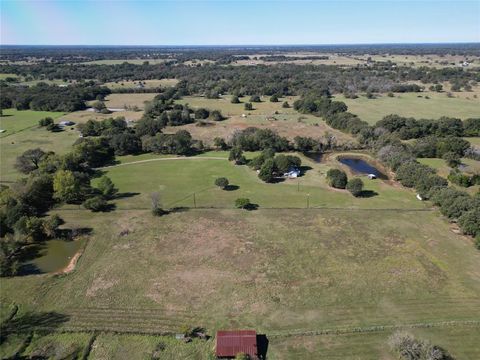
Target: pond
pixel 360 166
pixel 50 256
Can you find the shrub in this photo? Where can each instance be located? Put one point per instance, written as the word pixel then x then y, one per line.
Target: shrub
pixel 106 187
pixel 96 203
pixel 216 115
pixel 337 178
pixel 248 106
pixel 45 122
pixel 477 241
pixel 459 178
pixel 255 98
pixel 221 182
pixel 285 105
pixel 355 186
pixel 274 98
pixel 235 100
pixel 242 203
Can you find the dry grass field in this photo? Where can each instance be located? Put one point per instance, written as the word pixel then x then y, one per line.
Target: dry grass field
pixel 147 83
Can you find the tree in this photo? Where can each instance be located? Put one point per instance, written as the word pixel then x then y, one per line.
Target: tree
pixel 282 163
pixel 50 226
pixel 45 121
pixel 235 154
pixel 66 187
pixel 337 178
pixel 235 100
pixel 216 115
pixel 29 160
pixel 221 182
pixel 106 187
pixel 285 105
pixel 248 106
pixel 202 113
pixel 355 186
pixel 267 171
pixel 255 98
pixel 274 98
pixel 452 159
pixel 156 205
pixel 470 222
pixel 96 203
pixel 125 143
pixel 242 203
pixel 99 106
pixel 30 227
pixel 220 143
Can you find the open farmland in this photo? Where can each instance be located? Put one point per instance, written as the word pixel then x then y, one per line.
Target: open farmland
pixel 413 105
pixel 129 84
pixel 14 121
pixel 120 101
pixel 267 115
pixel 387 268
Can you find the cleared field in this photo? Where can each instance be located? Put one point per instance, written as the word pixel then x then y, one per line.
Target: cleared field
pixel 411 105
pixel 230 268
pixel 119 101
pixel 227 108
pixel 84 116
pixel 3 76
pixel 177 179
pixel 287 122
pixel 14 120
pixel 148 83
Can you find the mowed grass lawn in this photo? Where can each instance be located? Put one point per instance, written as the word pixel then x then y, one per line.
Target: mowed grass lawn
pixel 410 105
pixel 176 180
pixel 14 120
pixel 278 271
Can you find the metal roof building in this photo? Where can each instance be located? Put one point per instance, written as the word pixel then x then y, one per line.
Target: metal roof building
pixel 231 342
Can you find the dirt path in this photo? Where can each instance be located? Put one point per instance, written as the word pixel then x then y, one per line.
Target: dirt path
pixel 164 159
pixel 71 265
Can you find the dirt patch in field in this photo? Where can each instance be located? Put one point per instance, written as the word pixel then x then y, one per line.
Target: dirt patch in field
pixel 99 284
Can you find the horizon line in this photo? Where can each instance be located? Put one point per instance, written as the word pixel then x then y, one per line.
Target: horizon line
pixel 261 45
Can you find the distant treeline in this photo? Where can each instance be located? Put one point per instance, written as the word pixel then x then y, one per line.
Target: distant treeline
pixel 184 53
pixel 279 79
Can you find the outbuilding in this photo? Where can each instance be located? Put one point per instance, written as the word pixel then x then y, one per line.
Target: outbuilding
pixel 230 343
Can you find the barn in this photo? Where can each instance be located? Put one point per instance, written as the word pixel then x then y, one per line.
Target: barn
pixel 229 343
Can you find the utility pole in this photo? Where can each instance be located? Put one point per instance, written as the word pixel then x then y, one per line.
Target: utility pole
pixel 194 201
pixel 308 201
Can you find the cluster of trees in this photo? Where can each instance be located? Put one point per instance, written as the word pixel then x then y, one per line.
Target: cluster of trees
pixel 44 97
pixel 180 143
pixel 255 139
pixel 410 128
pixel 408 347
pixel 51 179
pixel 338 179
pixel 462 179
pixel 457 205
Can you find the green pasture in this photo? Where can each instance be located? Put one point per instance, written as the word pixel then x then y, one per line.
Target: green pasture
pixel 411 105
pixel 176 180
pixel 15 120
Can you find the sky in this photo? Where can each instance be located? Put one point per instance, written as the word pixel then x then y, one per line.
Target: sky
pixel 229 22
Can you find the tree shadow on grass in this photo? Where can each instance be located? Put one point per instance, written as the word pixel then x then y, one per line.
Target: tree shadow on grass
pixel 231 187
pixel 251 207
pixel 368 194
pixel 31 321
pixel 178 209
pixel 304 169
pixel 125 195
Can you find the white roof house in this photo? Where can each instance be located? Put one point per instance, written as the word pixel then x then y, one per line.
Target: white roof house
pixel 292 173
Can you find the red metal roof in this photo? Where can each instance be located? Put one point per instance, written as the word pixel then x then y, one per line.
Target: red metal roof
pixel 231 342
